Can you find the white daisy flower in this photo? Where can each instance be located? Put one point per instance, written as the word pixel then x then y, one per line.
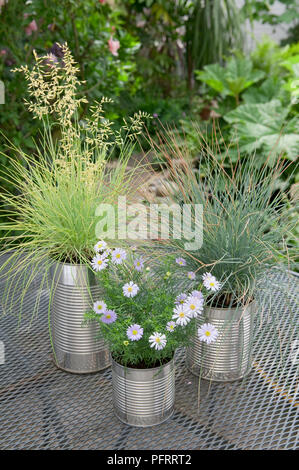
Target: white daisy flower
pixel 180 299
pixel 100 246
pixel 181 261
pixel 157 341
pixel 193 305
pixel 99 306
pixel 191 275
pixel 207 333
pixel 118 255
pixel 130 289
pixel 107 252
pixel 170 326
pixel 210 282
pixel 99 262
pixel 181 315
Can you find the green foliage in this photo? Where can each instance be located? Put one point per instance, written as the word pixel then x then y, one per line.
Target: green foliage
pixel 52 215
pixel 263 116
pixel 86 25
pixel 245 218
pixel 214 27
pixel 237 76
pixel 264 127
pixel 178 36
pixel 152 308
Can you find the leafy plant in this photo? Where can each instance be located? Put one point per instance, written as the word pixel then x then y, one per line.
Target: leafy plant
pixel 88 27
pixel 212 30
pixel 245 220
pixel 260 126
pixel 52 216
pixel 232 80
pixel 139 313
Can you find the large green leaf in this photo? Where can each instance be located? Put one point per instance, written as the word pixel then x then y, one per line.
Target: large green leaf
pixel 262 127
pixel 233 79
pixel 271 89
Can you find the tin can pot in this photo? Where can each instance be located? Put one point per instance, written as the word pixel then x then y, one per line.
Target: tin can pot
pixel 229 357
pixel 77 348
pixel 143 397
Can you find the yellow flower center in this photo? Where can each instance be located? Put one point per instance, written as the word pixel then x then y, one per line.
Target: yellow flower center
pixel 192 307
pixel 208 333
pixel 117 255
pixel 100 307
pixel 100 262
pixel 126 343
pixel 157 340
pixel 171 327
pixel 134 332
pixel 130 289
pixel 108 316
pixel 181 301
pixel 182 314
pixel 212 284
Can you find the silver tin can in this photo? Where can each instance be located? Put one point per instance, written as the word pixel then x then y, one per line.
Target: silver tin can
pixel 77 348
pixel 229 357
pixel 143 397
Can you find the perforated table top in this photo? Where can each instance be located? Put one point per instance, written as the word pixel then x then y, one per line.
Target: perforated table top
pixel 42 407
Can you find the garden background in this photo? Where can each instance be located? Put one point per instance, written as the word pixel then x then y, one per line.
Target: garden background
pixel 193 65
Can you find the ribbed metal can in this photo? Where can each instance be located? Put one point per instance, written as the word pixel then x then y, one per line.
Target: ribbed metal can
pixel 143 397
pixel 77 348
pixel 229 357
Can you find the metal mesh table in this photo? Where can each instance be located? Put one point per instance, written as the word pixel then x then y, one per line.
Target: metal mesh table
pixel 42 407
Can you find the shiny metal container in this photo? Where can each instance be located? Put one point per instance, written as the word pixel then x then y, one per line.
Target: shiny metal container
pixel 77 348
pixel 229 357
pixel 143 397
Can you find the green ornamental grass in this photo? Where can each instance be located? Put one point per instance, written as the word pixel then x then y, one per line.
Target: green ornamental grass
pixel 51 208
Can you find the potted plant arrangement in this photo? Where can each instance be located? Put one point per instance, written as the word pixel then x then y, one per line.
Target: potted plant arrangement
pixel 52 207
pixel 144 321
pixel 244 224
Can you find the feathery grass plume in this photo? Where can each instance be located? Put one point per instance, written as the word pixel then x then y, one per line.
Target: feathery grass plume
pixel 51 210
pixel 245 218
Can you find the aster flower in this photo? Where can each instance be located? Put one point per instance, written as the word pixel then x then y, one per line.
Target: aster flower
pixel 207 333
pixel 99 262
pixel 191 275
pixel 193 305
pixel 109 316
pixel 100 246
pixel 210 282
pixel 99 306
pixel 181 315
pixel 198 294
pixel 170 326
pixel 181 261
pixel 134 332
pixel 130 289
pixel 157 341
pixel 118 255
pixel 139 264
pixel 106 253
pixel 180 299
